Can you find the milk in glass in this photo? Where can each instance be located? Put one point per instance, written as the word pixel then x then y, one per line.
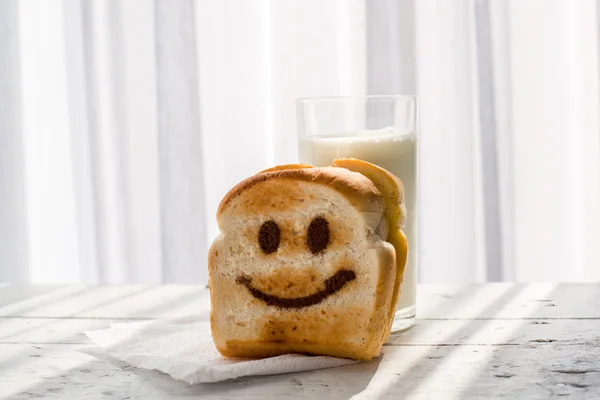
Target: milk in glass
pixel 396 152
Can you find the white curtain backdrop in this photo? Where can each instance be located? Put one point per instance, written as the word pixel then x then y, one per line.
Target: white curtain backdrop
pixel 123 123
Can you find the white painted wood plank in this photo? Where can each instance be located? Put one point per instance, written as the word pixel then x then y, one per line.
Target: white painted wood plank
pixel 498 300
pixel 41 299
pixel 165 301
pixel 11 294
pixel 413 372
pixel 115 301
pixel 425 332
pixel 450 372
pixel 50 330
pixel 507 300
pixel 500 332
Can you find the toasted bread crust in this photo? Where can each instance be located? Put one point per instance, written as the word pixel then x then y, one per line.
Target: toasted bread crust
pixel 357 188
pixel 286 166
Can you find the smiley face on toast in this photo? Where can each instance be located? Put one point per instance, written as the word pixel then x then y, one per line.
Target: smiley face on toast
pixel 301 265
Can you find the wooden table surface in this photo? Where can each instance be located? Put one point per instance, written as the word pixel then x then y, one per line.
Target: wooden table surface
pixel 475 341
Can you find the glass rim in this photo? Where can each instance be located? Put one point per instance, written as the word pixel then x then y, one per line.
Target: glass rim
pixel 391 97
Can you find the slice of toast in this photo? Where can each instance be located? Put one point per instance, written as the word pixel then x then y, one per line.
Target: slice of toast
pixel 300 266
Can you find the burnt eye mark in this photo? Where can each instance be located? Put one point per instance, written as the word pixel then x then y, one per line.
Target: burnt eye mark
pixel 317 236
pixel 269 236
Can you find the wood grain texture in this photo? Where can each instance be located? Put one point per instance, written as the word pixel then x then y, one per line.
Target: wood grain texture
pixel 118 301
pixel 476 341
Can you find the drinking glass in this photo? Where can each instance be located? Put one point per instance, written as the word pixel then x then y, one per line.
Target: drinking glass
pixel 381 130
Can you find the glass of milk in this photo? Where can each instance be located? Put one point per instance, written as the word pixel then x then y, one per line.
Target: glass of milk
pixel 381 130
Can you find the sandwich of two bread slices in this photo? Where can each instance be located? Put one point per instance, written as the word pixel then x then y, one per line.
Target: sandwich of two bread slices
pixel 309 260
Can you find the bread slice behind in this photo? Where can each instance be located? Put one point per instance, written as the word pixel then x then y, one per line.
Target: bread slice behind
pixel 392 190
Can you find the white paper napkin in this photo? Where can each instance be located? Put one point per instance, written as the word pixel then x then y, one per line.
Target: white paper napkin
pixel 183 348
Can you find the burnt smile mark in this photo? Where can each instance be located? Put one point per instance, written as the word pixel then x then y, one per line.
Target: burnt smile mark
pixel 332 285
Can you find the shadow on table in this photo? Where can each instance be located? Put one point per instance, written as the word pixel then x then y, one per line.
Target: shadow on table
pixel 12 295
pixel 410 365
pixel 530 364
pixel 541 362
pixel 107 376
pixel 173 304
pixel 14 362
pixel 331 383
pixel 73 297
